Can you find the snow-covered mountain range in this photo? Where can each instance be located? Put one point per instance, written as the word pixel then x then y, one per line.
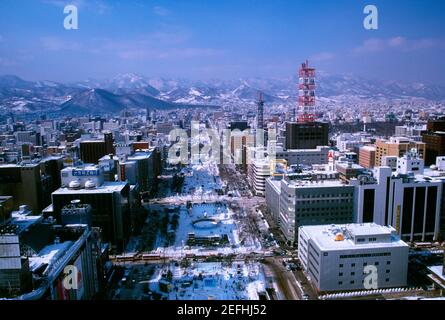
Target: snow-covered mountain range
pixel 136 91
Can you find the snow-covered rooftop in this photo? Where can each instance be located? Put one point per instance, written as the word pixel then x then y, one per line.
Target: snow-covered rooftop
pixel 325 236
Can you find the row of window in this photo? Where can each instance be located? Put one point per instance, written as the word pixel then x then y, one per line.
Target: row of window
pixel 338 219
pixel 353 282
pixel 340 274
pixel 369 239
pixel 312 249
pixel 341 265
pixel 321 209
pixel 306 202
pixel 364 255
pixel 322 195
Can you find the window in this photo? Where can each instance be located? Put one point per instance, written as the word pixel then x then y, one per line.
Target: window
pixel 387 271
pixel 388 262
pixel 353 265
pixel 340 283
pixel 387 279
pixel 365 264
pixel 376 263
pixel 352 282
pixel 340 274
pixel 352 273
pixel 364 255
pixel 340 266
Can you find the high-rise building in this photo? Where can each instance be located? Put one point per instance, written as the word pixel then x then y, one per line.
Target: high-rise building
pixel 303 157
pixel 397 146
pixel 94 149
pixel 434 139
pixel 23 183
pixel 436 124
pixel 76 213
pixel 434 145
pixel 239 144
pixel 366 157
pixel 109 201
pixel 338 257
pixel 309 199
pixel 145 168
pixel 15 277
pixel 36 248
pixel 50 168
pixel 437 172
pixel 406 199
pixel 6 207
pixel 260 111
pixel 307 135
pixel 272 195
pixel 257 173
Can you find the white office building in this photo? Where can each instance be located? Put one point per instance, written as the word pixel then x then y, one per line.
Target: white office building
pixel 257 173
pixel 406 199
pixel 353 256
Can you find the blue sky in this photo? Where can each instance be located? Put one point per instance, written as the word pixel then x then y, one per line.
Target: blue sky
pixel 226 39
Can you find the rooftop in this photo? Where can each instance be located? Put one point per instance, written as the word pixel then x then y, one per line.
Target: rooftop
pixel 140 155
pixel 317 183
pixel 368 148
pixel 276 183
pixel 341 237
pixel 23 222
pixel 92 141
pixel 349 165
pixel 48 255
pixel 106 187
pixel 87 166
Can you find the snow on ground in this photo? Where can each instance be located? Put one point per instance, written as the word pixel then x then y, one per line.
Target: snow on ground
pixel 216 280
pixel 202 179
pixel 200 185
pixel 219 212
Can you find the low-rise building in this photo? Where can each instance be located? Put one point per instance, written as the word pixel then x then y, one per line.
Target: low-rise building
pixel 353 256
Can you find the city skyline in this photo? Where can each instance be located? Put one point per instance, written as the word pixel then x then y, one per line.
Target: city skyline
pixel 221 151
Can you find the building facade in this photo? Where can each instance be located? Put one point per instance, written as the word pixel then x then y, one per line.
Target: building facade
pixel 405 199
pixel 397 146
pixel 313 202
pixel 340 257
pixel 367 157
pixel 306 135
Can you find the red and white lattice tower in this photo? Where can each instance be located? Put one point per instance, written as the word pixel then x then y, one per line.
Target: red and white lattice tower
pixel 306 93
